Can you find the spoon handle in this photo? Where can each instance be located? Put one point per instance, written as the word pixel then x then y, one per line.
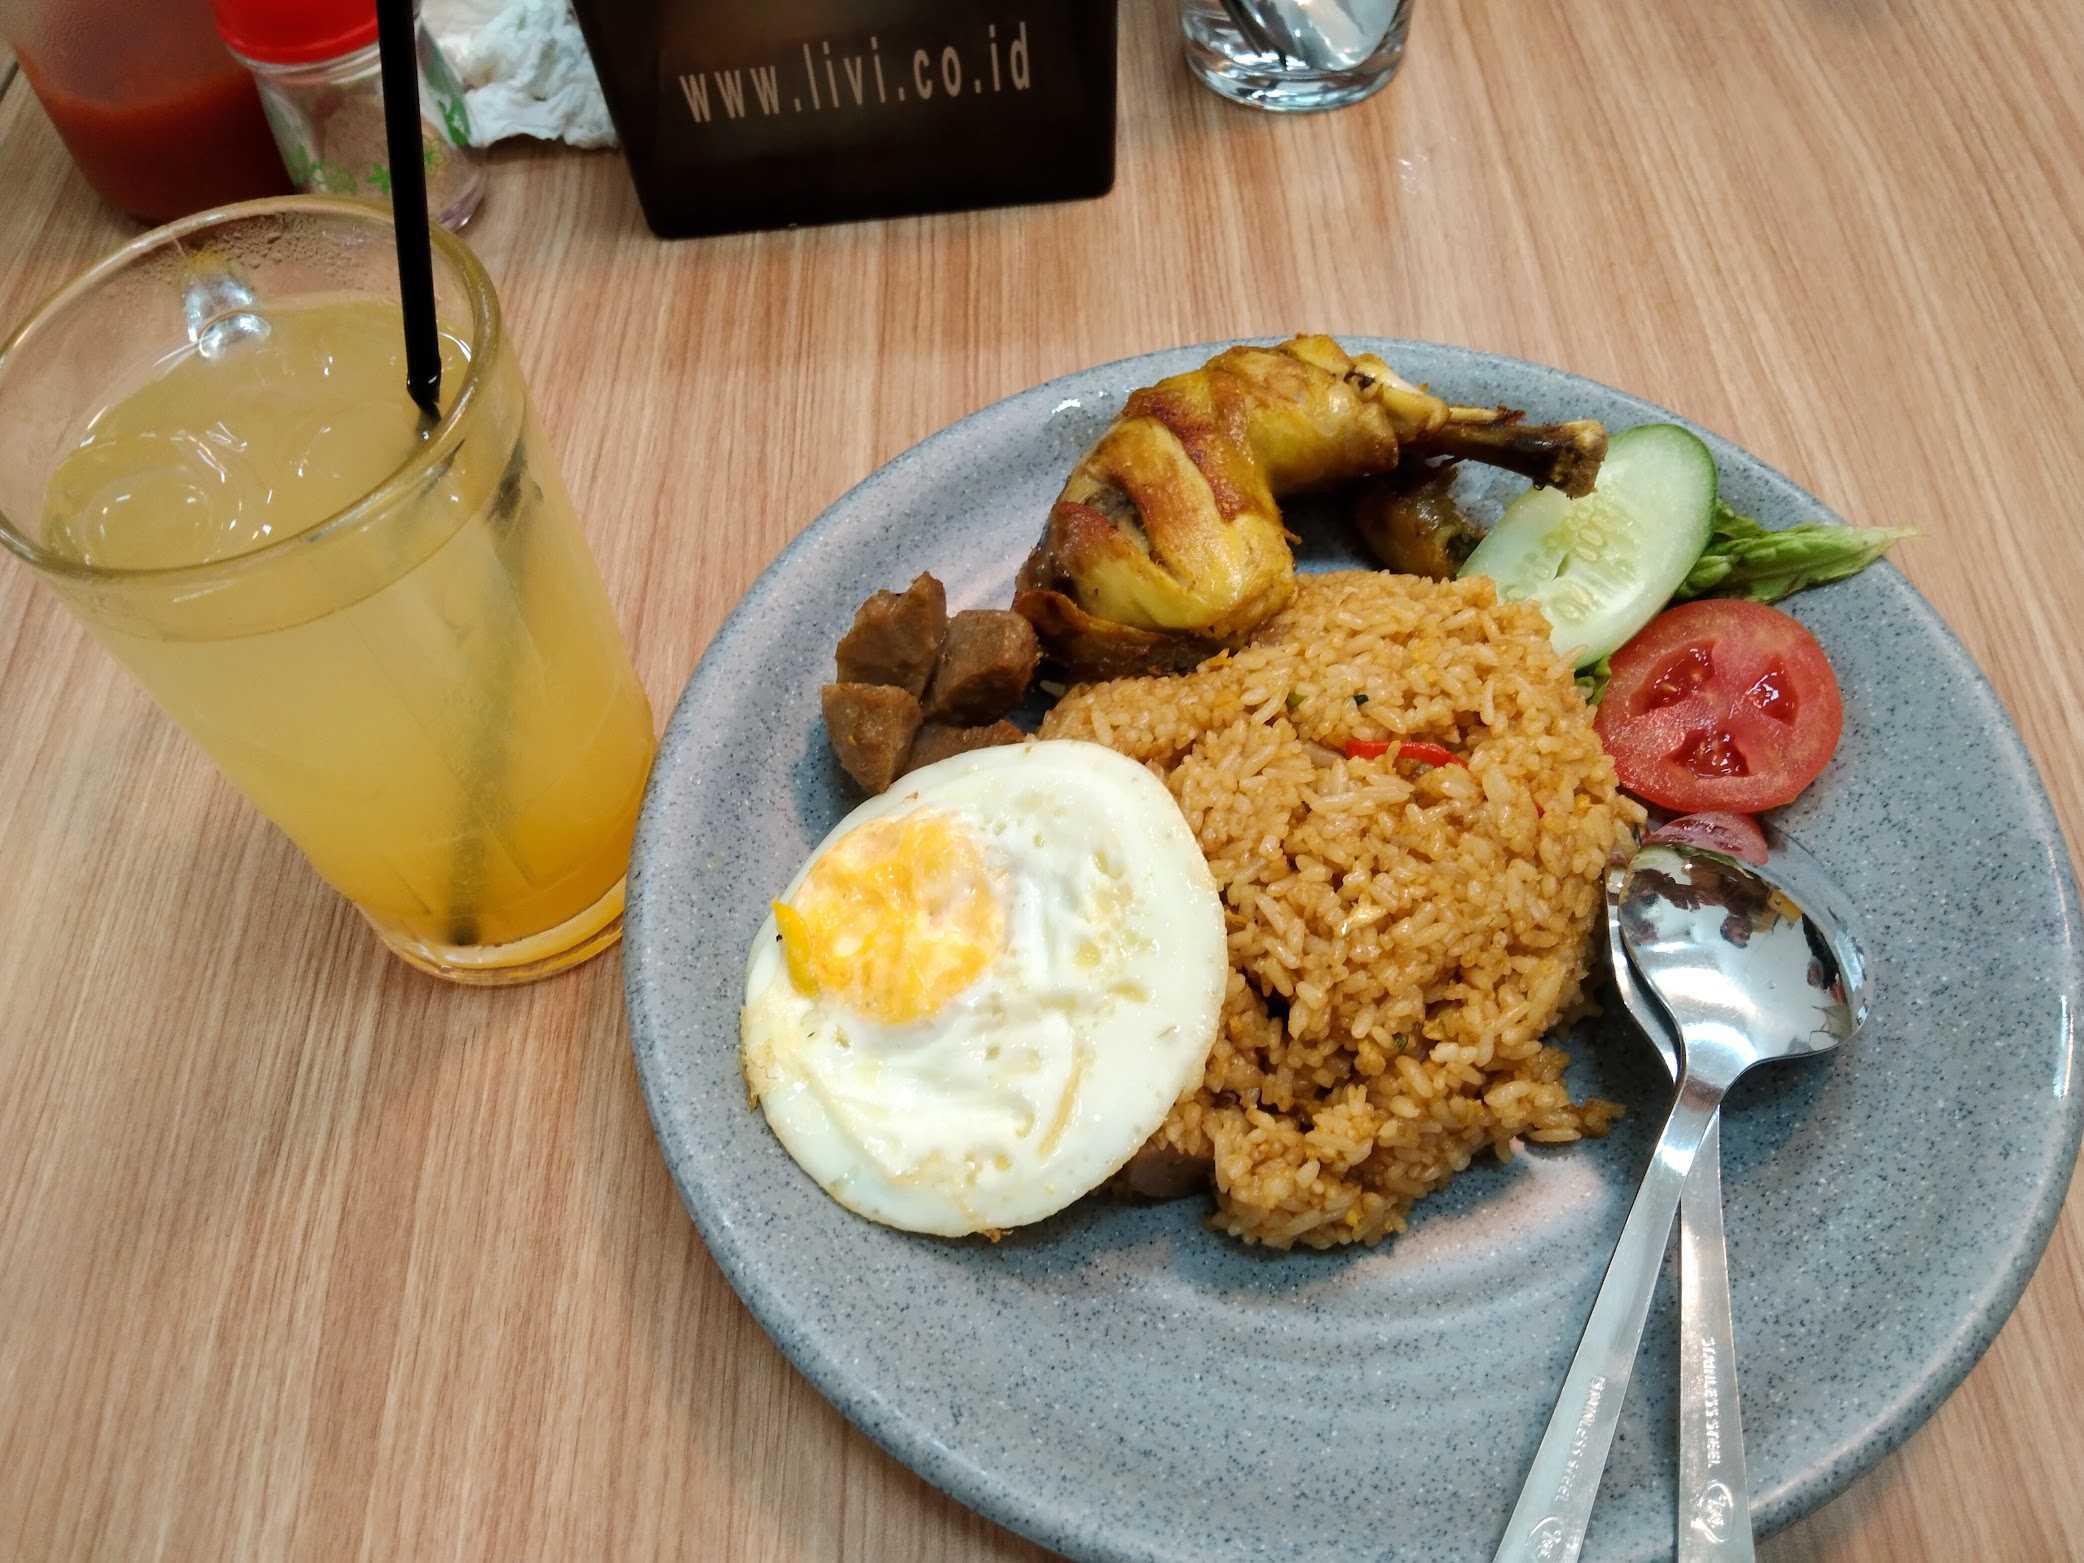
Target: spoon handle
pixel 1714 1488
pixel 1548 1522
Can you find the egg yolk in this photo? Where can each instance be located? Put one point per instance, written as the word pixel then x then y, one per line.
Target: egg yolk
pixel 895 920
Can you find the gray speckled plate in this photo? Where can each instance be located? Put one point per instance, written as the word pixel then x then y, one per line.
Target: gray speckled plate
pixel 1120 1383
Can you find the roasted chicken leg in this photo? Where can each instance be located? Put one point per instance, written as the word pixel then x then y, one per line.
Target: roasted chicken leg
pixel 1167 544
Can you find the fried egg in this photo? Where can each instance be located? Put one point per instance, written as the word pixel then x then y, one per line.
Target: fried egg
pixel 986 988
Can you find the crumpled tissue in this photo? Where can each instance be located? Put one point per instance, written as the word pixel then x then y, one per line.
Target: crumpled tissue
pixel 524 70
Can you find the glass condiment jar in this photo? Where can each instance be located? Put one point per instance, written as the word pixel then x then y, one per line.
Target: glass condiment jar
pixel 161 121
pixel 316 64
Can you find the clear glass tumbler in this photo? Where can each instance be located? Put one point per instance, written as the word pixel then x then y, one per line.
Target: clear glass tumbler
pixel 328 119
pixel 1296 55
pixel 426 689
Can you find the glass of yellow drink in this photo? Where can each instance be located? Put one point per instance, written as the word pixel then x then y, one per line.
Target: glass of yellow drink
pixel 389 634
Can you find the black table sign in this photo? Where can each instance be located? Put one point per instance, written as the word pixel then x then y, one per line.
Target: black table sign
pixel 739 114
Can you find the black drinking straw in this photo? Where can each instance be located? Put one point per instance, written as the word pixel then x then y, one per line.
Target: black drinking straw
pixel 398 48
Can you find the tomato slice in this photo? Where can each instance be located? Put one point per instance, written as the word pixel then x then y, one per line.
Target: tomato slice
pixel 1737 835
pixel 1721 704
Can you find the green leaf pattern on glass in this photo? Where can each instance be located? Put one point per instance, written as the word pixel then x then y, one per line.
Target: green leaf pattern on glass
pixel 446 93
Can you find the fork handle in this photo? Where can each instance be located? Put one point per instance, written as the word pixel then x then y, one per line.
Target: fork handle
pixel 1714 1489
pixel 1555 1503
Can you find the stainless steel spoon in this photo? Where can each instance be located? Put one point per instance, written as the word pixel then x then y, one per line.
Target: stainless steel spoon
pixel 1320 36
pixel 1245 18
pixel 1747 978
pixel 1714 1493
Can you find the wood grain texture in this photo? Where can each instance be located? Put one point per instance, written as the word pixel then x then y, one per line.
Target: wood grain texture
pixel 304 1256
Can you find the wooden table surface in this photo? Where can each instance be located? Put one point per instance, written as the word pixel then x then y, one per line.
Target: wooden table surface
pixel 305 1255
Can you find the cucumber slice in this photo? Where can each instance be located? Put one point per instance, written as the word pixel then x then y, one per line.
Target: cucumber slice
pixel 1602 566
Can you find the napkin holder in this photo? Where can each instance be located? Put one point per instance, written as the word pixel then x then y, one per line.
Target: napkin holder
pixel 736 116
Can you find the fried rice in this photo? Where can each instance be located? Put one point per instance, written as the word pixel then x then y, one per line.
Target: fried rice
pixel 1403 936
